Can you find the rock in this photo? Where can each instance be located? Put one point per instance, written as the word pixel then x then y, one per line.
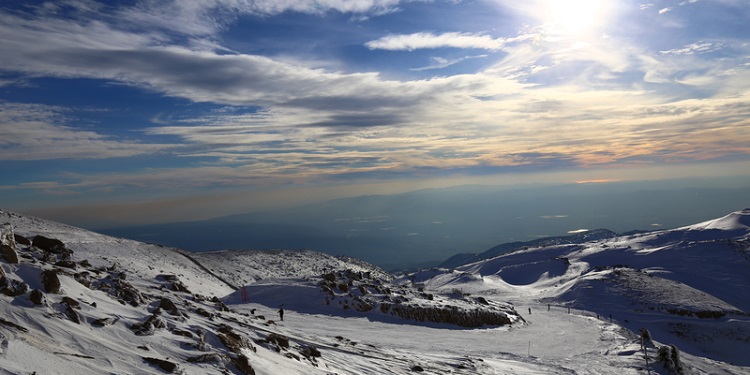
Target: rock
pixel 232 340
pixel 201 311
pixel 243 364
pixel 178 286
pixel 103 322
pixel 14 288
pixel 37 297
pixel 206 358
pixel 148 327
pixel 219 304
pixel 21 240
pixel 51 282
pixel 8 244
pixel 417 368
pixel 182 333
pixel 278 339
pixel 167 305
pixel 128 293
pixel 163 364
pixel 72 314
pixel 67 264
pixel 71 302
pixel 310 351
pixel 83 278
pixel 51 245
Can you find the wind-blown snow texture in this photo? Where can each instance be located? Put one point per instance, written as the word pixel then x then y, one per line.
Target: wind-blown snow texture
pixel 113 306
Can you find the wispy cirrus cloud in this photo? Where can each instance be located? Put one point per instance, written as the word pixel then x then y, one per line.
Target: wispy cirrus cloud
pixel 440 63
pixel 423 40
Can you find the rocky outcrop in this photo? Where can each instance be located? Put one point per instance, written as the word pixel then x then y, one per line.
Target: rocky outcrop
pixel 280 340
pixel 128 293
pixel 359 291
pixel 148 327
pixel 8 244
pixel 232 340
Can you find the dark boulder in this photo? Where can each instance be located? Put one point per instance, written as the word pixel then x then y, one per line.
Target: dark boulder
pixel 103 322
pixel 71 313
pixel 167 305
pixel 37 297
pixel 21 240
pixel 51 282
pixel 310 352
pixel 243 364
pixel 51 245
pixel 163 364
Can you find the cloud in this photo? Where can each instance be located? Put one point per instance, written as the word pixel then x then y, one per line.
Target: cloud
pixel 695 48
pixel 440 63
pixel 546 103
pixel 41 132
pixel 665 10
pixel 411 42
pixel 209 17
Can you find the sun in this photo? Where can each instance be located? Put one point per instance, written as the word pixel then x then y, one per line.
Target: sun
pixel 575 16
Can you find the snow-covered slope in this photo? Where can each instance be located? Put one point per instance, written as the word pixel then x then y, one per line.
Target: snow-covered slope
pixel 688 286
pixel 93 304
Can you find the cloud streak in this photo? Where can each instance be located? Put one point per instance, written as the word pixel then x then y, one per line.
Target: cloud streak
pixel 39 132
pixel 423 40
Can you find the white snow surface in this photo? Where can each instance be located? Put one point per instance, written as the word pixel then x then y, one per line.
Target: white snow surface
pixel 582 306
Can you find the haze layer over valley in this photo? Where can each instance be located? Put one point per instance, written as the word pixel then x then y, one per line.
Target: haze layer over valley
pixel 425 227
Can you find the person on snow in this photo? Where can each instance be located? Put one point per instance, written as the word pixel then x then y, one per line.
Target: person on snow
pixel 281 313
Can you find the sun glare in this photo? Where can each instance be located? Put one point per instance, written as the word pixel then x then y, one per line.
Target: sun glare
pixel 575 16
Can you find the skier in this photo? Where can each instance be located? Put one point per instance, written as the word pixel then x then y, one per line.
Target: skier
pixel 281 313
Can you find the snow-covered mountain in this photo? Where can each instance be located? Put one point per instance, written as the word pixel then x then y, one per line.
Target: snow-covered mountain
pixel 78 302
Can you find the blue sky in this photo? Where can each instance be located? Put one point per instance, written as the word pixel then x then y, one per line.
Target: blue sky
pixel 171 110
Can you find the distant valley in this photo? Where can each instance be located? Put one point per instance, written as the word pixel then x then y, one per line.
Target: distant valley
pixel 427 227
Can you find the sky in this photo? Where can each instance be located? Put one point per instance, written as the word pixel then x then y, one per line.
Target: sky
pixel 156 110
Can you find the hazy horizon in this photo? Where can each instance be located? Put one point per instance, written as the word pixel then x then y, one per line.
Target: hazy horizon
pixel 431 225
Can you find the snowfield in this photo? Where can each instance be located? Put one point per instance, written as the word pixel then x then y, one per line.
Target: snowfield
pixel 77 302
